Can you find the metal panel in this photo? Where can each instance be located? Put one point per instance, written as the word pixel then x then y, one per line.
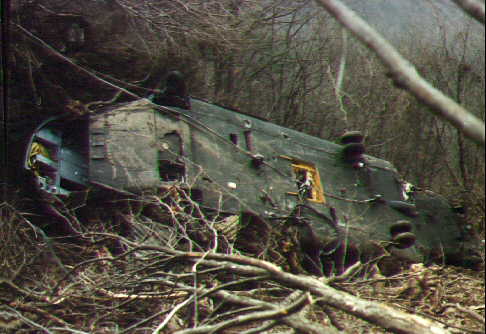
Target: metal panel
pixel 73 166
pixel 123 148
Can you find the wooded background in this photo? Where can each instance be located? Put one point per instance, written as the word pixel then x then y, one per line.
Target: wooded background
pixel 287 61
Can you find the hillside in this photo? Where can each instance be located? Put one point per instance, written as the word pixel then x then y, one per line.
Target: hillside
pixel 161 264
pixel 176 273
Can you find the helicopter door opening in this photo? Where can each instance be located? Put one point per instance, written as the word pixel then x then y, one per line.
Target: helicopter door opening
pixel 58 156
pixel 308 181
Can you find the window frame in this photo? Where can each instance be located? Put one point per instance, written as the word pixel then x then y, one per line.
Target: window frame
pixel 317 190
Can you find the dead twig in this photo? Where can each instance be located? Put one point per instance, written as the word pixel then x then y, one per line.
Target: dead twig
pixel 303 300
pixel 469 313
pixel 394 320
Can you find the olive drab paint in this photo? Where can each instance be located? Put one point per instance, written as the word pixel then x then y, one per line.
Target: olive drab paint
pixel 238 163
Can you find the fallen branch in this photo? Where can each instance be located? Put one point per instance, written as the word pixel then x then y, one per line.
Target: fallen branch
pixel 273 314
pixel 293 320
pixel 382 315
pixel 470 313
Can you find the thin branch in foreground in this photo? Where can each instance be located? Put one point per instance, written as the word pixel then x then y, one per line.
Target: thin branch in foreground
pixel 285 311
pixel 171 314
pixel 26 320
pixel 394 320
pixel 404 73
pixel 472 7
pixel 294 321
pixel 384 316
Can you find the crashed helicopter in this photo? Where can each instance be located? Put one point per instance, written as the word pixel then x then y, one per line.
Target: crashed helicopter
pixel 342 199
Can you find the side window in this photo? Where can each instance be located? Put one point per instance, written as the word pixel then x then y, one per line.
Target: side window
pixel 170 164
pixel 308 181
pixel 171 170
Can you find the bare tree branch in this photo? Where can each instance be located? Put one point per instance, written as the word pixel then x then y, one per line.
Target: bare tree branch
pixel 171 314
pixel 405 75
pixel 474 8
pixel 393 320
pixel 285 311
pixel 152 288
pixel 291 319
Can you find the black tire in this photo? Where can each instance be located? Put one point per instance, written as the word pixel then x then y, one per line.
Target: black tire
pixel 400 226
pixel 404 240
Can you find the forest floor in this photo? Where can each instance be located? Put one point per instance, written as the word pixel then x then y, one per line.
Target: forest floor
pixel 101 282
pixel 452 295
